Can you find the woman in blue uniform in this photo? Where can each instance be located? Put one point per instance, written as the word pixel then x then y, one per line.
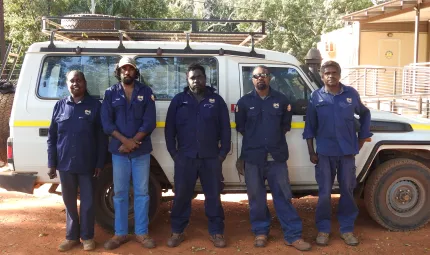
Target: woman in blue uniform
pixel 77 148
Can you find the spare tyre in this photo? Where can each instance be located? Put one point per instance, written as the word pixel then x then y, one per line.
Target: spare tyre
pixel 92 22
pixel 6 101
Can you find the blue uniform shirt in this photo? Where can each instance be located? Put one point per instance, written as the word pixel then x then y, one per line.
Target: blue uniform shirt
pixel 129 118
pixel 263 124
pixel 198 129
pixel 76 142
pixel 330 119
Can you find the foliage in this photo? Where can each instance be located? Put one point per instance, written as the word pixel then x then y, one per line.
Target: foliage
pixel 293 26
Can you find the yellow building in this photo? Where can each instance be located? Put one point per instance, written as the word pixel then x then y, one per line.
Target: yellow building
pixel 395 33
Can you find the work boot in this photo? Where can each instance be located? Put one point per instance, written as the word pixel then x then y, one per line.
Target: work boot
pixel 89 244
pixel 349 239
pixel 260 241
pixel 300 245
pixel 115 242
pixel 67 245
pixel 175 240
pixel 218 240
pixel 322 238
pixel 146 241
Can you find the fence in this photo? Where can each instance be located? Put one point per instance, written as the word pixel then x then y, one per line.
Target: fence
pixel 403 90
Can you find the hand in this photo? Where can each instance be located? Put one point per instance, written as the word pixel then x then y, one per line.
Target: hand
pixel 131 144
pixel 52 173
pixel 221 158
pixel 361 143
pixel 97 172
pixel 314 158
pixel 122 149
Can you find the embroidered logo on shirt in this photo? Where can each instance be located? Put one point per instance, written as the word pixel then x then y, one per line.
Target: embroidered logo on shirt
pixel 140 98
pixel 349 100
pixel 211 100
pixel 289 108
pixel 88 112
pixel 276 105
pixel 251 108
pixel 152 97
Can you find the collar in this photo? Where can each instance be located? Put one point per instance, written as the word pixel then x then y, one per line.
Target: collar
pixel 69 99
pixel 137 85
pixel 343 88
pixel 255 94
pixel 208 91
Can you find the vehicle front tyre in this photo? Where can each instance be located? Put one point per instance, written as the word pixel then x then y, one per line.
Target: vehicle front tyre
pixel 397 194
pixel 103 201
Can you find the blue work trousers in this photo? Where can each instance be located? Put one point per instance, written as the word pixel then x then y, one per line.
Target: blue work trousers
pixel 78 225
pixel 325 172
pixel 187 170
pixel 137 169
pixel 276 174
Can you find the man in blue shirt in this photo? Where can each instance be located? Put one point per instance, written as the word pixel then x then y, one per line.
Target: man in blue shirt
pixel 77 148
pixel 263 117
pixel 128 116
pixel 198 136
pixel 330 120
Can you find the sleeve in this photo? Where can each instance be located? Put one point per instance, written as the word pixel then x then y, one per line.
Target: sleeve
pixel 52 138
pixel 311 123
pixel 240 116
pixel 170 131
pixel 287 116
pixel 149 114
pixel 102 139
pixel 225 129
pixel 107 117
pixel 364 113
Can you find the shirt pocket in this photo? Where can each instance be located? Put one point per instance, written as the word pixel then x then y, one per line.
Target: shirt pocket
pixel 209 111
pixel 138 109
pixel 85 123
pixel 118 106
pixel 182 115
pixel 346 111
pixel 63 122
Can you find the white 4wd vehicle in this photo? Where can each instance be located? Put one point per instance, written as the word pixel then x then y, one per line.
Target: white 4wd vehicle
pixel 392 169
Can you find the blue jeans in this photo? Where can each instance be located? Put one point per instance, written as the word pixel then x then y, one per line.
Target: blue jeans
pixel 78 225
pixel 136 168
pixel 276 174
pixel 325 172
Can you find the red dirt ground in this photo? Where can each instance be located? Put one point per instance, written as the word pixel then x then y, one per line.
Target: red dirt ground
pixel 35 224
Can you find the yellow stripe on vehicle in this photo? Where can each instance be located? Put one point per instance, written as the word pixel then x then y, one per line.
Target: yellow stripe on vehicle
pixel 162 124
pixel 420 126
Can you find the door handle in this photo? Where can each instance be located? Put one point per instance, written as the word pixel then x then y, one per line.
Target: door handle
pixel 43 132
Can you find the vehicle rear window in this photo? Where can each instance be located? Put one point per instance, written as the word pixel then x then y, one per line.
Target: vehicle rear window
pixel 167 76
pixel 98 70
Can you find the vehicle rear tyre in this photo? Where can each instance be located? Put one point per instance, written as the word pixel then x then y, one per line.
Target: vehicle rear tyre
pixel 6 101
pixel 104 207
pixel 397 194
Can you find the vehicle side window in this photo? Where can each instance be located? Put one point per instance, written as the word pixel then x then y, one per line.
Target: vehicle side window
pixel 286 80
pixel 167 75
pixel 98 72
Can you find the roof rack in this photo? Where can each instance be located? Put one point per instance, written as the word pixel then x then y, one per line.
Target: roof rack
pixel 84 27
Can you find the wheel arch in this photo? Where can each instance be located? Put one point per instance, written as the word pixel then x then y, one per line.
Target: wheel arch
pixel 386 150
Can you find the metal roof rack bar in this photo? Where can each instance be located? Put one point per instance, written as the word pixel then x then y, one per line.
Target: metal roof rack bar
pixel 68 28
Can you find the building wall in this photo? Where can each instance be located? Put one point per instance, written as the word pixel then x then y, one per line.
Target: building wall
pixel 341 45
pixel 378 48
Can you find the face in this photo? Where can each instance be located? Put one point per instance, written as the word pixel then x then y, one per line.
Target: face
pixel 76 84
pixel 331 76
pixel 196 81
pixel 128 73
pixel 261 78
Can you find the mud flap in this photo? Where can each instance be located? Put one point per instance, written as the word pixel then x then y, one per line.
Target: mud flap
pixel 11 181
